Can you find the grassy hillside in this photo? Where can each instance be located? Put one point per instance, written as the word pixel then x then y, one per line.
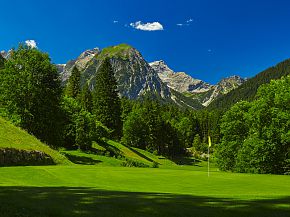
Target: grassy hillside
pixel 14 137
pixel 248 90
pixel 79 191
pixel 114 154
pixel 79 157
pixel 128 153
pixel 160 160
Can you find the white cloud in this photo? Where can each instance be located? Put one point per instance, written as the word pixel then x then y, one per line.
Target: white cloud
pixel 115 21
pixel 186 23
pixel 154 26
pixel 31 43
pixel 189 21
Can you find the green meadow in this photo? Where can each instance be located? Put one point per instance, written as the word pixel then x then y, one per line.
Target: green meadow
pixel 103 185
pixel 89 190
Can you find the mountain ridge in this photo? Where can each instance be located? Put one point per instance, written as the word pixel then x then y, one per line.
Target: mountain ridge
pixel 195 88
pixel 248 89
pixel 134 75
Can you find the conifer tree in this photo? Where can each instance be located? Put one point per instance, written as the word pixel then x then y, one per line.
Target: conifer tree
pixel 73 85
pixel 86 98
pixel 107 105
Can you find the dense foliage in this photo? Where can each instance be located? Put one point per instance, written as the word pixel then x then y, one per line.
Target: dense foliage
pixel 248 90
pixel 73 87
pixel 250 137
pixel 30 93
pixel 165 129
pixel 107 105
pixel 256 135
pixel 80 127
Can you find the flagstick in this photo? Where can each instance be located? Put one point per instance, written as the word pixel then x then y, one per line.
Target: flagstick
pixel 208 162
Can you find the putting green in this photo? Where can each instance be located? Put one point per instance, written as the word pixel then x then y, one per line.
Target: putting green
pixel 119 191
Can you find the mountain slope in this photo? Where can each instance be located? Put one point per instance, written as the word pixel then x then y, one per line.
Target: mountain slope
pixel 196 89
pixel 135 78
pixel 179 81
pixel 248 90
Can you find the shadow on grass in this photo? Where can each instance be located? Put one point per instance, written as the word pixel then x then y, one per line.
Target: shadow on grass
pixel 88 202
pixel 82 160
pixel 186 161
pixel 141 155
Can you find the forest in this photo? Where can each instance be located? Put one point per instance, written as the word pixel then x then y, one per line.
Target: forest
pixel 249 136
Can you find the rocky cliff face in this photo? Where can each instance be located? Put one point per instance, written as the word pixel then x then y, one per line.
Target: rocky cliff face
pixel 5 54
pixel 81 63
pixel 196 89
pixel 135 77
pixel 179 81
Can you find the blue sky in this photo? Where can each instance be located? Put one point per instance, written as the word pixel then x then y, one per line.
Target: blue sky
pixel 216 39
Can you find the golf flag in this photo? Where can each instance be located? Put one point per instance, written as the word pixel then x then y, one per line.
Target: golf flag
pixel 209 144
pixel 209 141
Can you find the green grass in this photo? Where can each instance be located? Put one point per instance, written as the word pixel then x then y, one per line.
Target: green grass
pixel 79 157
pixel 14 137
pixel 162 161
pixel 98 147
pixel 104 188
pixel 121 191
pixel 128 153
pixel 119 51
pixel 122 154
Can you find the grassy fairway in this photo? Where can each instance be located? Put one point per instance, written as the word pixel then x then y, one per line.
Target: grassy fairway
pixel 119 191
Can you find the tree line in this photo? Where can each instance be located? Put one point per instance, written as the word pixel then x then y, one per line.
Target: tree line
pixel 249 137
pixel 256 135
pixel 73 116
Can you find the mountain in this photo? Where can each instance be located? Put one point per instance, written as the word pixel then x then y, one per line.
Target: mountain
pixel 81 63
pixel 197 89
pixel 135 78
pixel 248 89
pixel 5 54
pixel 179 81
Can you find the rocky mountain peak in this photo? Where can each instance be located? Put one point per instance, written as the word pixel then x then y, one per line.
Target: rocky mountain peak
pixel 82 61
pixel 5 54
pixel 137 78
pixel 179 81
pixel 230 83
pixel 197 89
pixel 89 53
pixel 161 68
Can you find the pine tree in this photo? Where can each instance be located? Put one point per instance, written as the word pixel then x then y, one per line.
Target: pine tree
pixel 107 105
pixel 86 98
pixel 73 86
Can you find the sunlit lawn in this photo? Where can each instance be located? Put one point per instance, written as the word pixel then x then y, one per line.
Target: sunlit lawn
pixel 119 191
